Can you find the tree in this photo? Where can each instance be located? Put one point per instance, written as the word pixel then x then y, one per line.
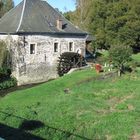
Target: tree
pixel 116 21
pixel 1 9
pixel 80 16
pixel 123 23
pixel 120 55
pixel 67 15
pixel 5 6
pixel 110 21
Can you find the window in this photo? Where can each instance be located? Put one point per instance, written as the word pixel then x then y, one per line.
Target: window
pixel 70 46
pixel 32 48
pixel 45 58
pixel 56 47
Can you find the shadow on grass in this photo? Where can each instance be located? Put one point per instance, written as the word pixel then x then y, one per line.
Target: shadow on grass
pixel 10 133
pixel 31 125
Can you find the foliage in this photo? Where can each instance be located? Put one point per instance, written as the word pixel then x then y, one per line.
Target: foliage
pixel 80 17
pixel 120 55
pixel 136 57
pixel 110 21
pixel 67 15
pixel 5 57
pixel 92 110
pixel 5 6
pixel 3 50
pixel 6 81
pixel 10 82
pixel 5 68
pixel 5 74
pixel 102 59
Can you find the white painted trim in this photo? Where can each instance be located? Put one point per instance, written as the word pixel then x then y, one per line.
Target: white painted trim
pixel 21 18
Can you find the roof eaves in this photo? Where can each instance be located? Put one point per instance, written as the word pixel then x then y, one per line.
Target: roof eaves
pixel 7 33
pixel 51 33
pixel 89 37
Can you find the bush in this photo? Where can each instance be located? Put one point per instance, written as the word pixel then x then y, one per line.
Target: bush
pixel 120 56
pixel 8 83
pixel 3 51
pixel 132 65
pixel 4 74
pixel 102 60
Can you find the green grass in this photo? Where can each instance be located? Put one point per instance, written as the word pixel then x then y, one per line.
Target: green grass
pixel 136 57
pixel 93 109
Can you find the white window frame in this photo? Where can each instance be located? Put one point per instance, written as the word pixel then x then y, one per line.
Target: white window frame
pixel 30 48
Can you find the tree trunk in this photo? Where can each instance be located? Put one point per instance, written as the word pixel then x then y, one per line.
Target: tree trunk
pixel 120 70
pixel 119 73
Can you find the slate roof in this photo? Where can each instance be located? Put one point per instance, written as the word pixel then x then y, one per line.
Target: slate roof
pixel 35 16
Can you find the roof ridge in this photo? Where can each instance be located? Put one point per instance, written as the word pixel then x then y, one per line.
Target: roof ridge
pixel 21 18
pixel 36 16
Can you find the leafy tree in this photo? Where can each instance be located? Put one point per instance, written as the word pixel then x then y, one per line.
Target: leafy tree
pixel 8 5
pixel 80 16
pixel 1 6
pixel 5 6
pixel 122 24
pixel 67 15
pixel 110 21
pixel 120 55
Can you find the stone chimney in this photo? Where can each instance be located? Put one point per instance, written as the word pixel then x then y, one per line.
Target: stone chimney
pixel 59 24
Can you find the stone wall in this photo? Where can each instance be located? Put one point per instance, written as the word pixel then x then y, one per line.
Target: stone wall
pixel 39 67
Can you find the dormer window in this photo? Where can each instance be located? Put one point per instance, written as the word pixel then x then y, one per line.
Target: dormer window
pixel 32 48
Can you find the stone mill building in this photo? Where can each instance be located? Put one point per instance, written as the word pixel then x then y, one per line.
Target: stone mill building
pixel 36 34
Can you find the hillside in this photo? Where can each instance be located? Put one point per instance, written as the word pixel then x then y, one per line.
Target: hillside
pixel 79 106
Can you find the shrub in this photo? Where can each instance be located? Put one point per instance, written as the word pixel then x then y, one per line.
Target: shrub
pixel 5 56
pixel 4 73
pixel 102 60
pixel 3 50
pixel 120 56
pixel 8 83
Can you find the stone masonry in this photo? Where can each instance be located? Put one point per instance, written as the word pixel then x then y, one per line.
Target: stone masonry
pixel 42 65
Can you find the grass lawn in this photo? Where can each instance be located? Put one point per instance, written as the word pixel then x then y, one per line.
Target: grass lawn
pixel 136 57
pixel 93 109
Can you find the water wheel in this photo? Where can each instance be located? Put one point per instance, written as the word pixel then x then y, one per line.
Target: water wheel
pixel 69 60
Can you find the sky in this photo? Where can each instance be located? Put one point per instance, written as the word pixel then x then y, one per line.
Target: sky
pixel 62 5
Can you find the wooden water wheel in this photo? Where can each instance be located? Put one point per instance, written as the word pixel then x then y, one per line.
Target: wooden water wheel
pixel 69 60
